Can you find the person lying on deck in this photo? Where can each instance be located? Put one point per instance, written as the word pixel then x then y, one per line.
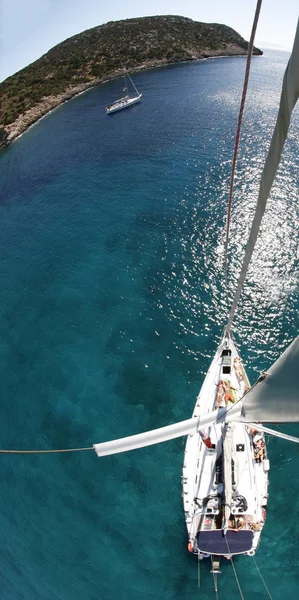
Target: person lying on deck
pixel 220 401
pixel 238 368
pixel 230 393
pixel 240 373
pixel 260 451
pixel 226 393
pixel 259 446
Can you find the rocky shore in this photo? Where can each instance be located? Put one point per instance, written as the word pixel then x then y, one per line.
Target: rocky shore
pixel 72 67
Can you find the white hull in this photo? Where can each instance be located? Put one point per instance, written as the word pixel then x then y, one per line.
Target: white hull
pixel 122 103
pixel 203 477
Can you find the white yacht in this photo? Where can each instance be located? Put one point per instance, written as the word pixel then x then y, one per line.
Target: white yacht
pixel 225 471
pixel 127 100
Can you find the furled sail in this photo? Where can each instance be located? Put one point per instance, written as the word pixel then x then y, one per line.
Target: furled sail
pixel 163 434
pixel 275 396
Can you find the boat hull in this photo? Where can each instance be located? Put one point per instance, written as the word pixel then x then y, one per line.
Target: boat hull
pixel 123 104
pixel 207 473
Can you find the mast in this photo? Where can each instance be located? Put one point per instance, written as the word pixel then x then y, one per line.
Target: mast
pixel 126 86
pixel 133 84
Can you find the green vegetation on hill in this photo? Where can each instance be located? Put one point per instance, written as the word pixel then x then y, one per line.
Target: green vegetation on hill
pixel 98 53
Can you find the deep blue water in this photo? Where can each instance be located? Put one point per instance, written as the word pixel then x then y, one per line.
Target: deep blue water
pixel 111 306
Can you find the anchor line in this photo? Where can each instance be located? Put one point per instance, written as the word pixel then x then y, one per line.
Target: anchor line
pixel 264 583
pixel 234 569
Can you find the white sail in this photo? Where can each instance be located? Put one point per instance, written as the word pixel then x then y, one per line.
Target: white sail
pixel 288 99
pixel 163 434
pixel 275 396
pixel 133 84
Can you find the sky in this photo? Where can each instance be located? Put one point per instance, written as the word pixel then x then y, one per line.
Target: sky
pixel 29 28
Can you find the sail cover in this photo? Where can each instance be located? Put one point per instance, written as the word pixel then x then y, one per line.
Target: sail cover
pixel 275 396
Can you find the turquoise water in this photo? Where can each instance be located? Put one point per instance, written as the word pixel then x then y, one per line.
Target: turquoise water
pixel 111 306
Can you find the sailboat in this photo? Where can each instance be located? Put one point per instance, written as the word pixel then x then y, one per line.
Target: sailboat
pixel 126 100
pixel 225 472
pixel 226 465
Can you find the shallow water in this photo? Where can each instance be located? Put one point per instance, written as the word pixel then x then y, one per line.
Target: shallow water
pixel 111 307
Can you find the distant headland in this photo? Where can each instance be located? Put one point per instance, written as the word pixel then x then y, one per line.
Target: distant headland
pixel 102 53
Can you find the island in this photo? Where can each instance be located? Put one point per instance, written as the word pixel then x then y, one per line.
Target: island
pixel 103 53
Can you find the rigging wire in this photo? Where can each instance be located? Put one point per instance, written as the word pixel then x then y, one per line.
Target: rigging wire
pixel 265 586
pixel 234 569
pixel 237 579
pixel 237 139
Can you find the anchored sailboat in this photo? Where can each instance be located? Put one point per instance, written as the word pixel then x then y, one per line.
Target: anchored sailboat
pixel 127 100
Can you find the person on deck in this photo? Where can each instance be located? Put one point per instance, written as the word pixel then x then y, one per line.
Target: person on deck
pixel 260 451
pixel 220 400
pixel 255 526
pixel 240 374
pixel 240 523
pixel 236 524
pixel 230 393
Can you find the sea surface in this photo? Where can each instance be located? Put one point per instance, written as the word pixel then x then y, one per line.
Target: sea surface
pixel 112 302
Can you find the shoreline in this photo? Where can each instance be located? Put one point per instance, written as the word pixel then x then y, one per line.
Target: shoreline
pixel 46 114
pixel 27 120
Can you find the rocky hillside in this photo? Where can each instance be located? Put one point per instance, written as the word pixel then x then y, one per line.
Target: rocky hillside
pixel 100 53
